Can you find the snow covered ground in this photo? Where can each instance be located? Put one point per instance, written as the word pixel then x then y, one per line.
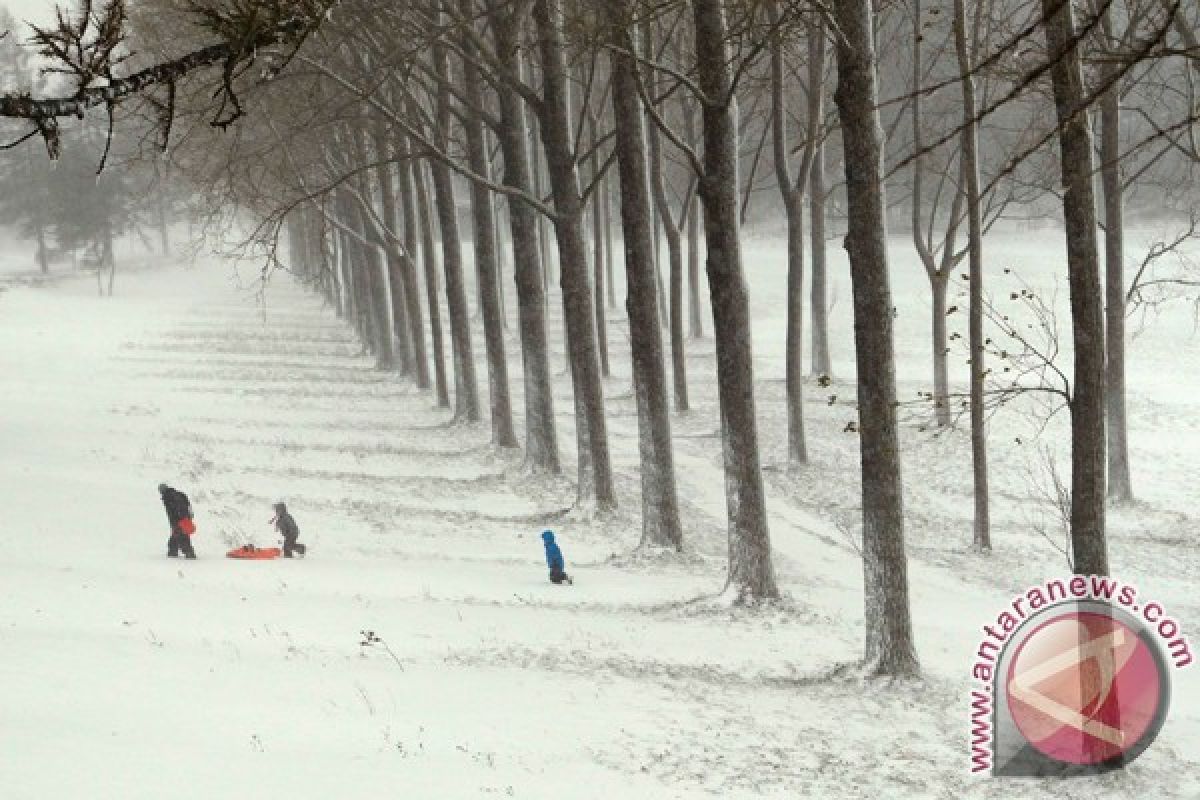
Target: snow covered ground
pixel 128 675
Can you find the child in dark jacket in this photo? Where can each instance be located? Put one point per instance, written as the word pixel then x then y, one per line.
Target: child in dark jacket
pixel 286 525
pixel 554 560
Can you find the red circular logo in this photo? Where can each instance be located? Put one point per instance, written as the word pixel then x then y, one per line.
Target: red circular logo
pixel 1086 688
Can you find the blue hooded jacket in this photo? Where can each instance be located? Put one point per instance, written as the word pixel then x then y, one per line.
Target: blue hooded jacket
pixel 554 556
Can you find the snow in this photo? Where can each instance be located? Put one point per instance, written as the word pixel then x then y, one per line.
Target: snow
pixel 129 675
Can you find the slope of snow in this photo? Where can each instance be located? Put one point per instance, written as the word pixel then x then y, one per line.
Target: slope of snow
pixel 128 675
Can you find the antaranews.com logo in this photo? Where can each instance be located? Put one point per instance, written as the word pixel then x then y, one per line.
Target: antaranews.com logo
pixel 1073 678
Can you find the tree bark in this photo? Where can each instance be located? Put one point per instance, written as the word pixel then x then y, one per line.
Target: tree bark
pixel 487 267
pixel 792 193
pixel 751 574
pixel 430 259
pixel 970 155
pixel 381 328
pixel 412 285
pixel 939 277
pixel 1088 542
pixel 610 285
pixel 821 364
pixel 889 642
pixel 660 507
pixel 466 394
pixel 595 469
pixel 666 219
pixel 1120 482
pixel 529 263
pixel 109 257
pixel 695 314
pixel 42 257
pixel 545 251
pixel 395 259
pixel 663 313
pixel 598 253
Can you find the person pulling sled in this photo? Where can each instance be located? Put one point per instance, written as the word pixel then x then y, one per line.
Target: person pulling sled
pixel 179 516
pixel 554 560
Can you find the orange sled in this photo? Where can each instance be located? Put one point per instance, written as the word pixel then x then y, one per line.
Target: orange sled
pixel 250 552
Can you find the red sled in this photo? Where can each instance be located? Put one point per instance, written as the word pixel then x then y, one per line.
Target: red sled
pixel 187 526
pixel 252 553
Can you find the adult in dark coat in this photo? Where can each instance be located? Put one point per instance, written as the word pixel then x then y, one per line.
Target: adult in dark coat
pixel 178 508
pixel 286 525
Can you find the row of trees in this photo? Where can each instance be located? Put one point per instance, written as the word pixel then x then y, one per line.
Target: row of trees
pixel 365 124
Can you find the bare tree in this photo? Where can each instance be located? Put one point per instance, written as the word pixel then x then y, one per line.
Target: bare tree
pixel 793 191
pixel 889 642
pixel 1120 481
pixel 660 507
pixel 970 168
pixel 595 468
pixel 530 261
pixel 487 266
pixel 1088 541
pixel 751 573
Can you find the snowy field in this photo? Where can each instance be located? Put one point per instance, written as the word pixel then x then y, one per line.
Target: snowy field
pixel 128 675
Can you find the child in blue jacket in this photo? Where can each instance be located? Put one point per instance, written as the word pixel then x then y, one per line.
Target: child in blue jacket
pixel 554 560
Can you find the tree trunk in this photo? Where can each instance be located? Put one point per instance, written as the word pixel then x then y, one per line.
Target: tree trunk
pixel 164 231
pixel 529 264
pixel 487 268
pixel 1088 542
pixel 695 314
pixel 502 250
pixel 660 508
pixel 376 296
pixel 412 285
pixel 609 200
pixel 938 278
pixel 1120 482
pixel 794 356
pixel 663 313
pixel 598 253
pixel 821 365
pixel 939 284
pixel 792 195
pixel 970 148
pixel 358 275
pixel 466 394
pixel 889 642
pixel 329 266
pixel 751 574
pixel 430 259
pixel 595 469
pixel 539 186
pixel 345 268
pixel 666 218
pixel 43 257
pixel 398 299
pixel 109 257
pixel 379 297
